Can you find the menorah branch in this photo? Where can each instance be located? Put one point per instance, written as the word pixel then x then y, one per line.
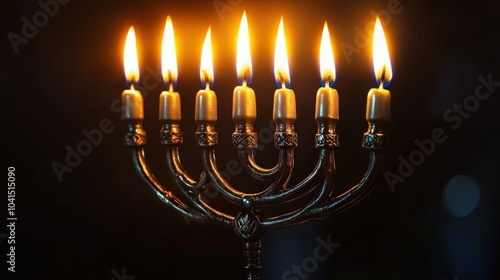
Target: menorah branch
pixel 161 193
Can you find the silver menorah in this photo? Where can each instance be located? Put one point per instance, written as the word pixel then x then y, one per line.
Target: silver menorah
pixel 251 222
pixel 254 218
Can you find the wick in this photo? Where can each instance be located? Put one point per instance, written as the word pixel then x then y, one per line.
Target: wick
pixel 132 86
pixel 170 87
pixel 245 77
pixel 382 76
pixel 282 80
pixel 327 81
pixel 207 80
pixel 169 74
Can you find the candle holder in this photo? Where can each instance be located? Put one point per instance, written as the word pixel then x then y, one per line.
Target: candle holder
pixel 253 219
pixel 251 222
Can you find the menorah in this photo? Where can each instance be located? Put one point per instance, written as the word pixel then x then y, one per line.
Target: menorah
pixel 252 219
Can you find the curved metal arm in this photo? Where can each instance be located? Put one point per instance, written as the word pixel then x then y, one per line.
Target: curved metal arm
pixel 210 166
pixel 165 196
pixel 299 190
pixel 327 170
pixel 179 174
pixel 353 195
pixel 284 176
pixel 185 184
pixel 247 159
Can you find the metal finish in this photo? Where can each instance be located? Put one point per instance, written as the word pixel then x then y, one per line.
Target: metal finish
pixel 251 222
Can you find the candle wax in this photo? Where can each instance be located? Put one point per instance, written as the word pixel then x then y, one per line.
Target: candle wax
pixel 206 106
pixel 170 106
pixel 284 105
pixel 327 103
pixel 378 105
pixel 132 105
pixel 244 104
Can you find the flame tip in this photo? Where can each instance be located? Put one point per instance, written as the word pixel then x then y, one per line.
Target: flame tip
pixel 243 56
pixel 169 59
pixel 381 59
pixel 281 67
pixel 130 60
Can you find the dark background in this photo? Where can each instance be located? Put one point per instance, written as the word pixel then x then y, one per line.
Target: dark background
pixel 100 222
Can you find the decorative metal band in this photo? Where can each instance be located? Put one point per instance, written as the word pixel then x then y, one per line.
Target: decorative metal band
pixel 245 140
pixel 206 139
pixel 328 140
pixel 374 141
pixel 168 137
pixel 246 224
pixel 284 139
pixel 136 136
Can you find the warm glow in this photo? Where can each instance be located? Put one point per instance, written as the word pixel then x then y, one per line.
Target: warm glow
pixel 381 59
pixel 243 58
pixel 168 56
pixel 281 72
pixel 326 61
pixel 130 61
pixel 207 67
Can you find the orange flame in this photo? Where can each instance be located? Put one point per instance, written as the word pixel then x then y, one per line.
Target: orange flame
pixel 381 60
pixel 130 60
pixel 281 71
pixel 243 57
pixel 168 56
pixel 326 61
pixel 207 67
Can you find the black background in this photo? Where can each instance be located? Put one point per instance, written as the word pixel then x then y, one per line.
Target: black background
pixel 100 222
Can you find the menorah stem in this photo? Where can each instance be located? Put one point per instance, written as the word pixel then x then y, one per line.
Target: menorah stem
pixel 251 253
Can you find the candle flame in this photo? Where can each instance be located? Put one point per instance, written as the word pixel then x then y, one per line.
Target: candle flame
pixel 207 67
pixel 281 71
pixel 168 56
pixel 326 61
pixel 243 57
pixel 381 60
pixel 130 61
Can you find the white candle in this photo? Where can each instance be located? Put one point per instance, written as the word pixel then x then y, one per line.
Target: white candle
pixel 378 104
pixel 170 101
pixel 170 106
pixel 284 98
pixel 244 103
pixel 206 100
pixel 132 103
pixel 327 98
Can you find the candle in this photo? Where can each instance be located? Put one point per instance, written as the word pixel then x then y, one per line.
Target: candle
pixel 244 104
pixel 206 100
pixel 132 103
pixel 170 101
pixel 378 105
pixel 284 98
pixel 327 98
